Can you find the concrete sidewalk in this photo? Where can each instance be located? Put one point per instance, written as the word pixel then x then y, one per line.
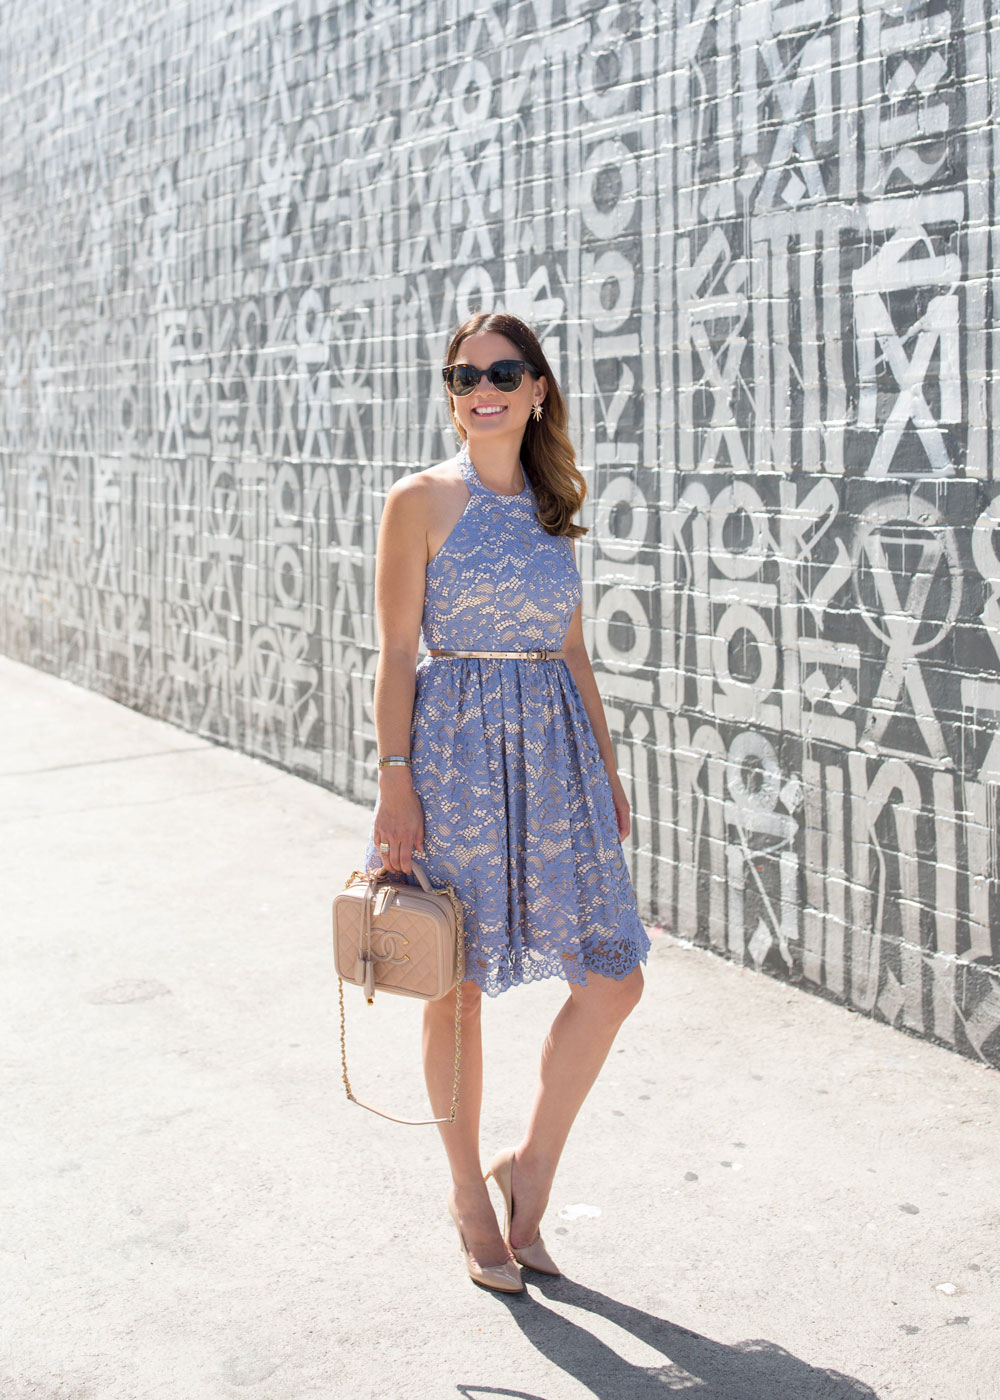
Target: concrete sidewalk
pixel 765 1195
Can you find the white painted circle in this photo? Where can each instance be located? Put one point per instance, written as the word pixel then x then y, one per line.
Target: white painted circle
pixel 746 748
pixel 474 293
pixel 604 102
pixel 609 267
pixel 622 600
pixel 309 317
pixel 475 76
pixel 890 620
pixel 287 573
pixel 746 562
pixel 621 491
pixel 740 618
pixel 609 155
pixel 984 550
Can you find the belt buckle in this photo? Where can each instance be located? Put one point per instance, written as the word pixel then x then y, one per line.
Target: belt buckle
pixel 538 655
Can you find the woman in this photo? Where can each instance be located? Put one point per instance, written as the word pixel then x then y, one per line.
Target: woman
pixel 502 776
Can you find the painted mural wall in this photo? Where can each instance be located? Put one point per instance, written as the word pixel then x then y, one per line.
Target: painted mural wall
pixel 758 240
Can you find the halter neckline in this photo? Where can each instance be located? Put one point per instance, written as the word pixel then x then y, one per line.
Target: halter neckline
pixel 475 482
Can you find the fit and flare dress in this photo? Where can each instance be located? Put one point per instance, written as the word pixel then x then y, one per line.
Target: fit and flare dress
pixel 518 812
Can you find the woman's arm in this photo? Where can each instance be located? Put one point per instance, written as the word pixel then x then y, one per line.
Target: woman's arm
pixel 575 653
pixel 400 569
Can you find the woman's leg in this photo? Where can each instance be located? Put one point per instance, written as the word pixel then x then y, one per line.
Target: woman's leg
pixel 483 1238
pixel 574 1051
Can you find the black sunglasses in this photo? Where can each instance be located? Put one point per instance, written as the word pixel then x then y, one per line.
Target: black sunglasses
pixel 505 375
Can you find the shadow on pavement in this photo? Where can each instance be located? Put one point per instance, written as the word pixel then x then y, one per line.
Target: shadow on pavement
pixel 750 1370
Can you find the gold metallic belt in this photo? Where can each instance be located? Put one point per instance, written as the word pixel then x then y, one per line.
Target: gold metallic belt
pixel 539 655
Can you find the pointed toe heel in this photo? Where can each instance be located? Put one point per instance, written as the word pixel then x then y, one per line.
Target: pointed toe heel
pixel 536 1256
pixel 502 1278
pixel 532 1256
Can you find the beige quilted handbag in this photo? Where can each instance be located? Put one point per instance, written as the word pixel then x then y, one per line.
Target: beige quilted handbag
pixel 400 938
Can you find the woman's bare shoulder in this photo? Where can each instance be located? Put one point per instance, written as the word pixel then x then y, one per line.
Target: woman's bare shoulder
pixel 445 473
pixel 426 486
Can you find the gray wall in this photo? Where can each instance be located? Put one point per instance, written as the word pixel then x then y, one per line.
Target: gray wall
pixel 756 242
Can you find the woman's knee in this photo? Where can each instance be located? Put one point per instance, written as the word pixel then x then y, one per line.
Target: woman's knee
pixel 611 998
pixel 630 990
pixel 633 987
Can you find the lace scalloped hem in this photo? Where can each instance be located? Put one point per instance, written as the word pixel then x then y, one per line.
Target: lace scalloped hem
pixel 628 957
pixel 495 962
pixel 495 968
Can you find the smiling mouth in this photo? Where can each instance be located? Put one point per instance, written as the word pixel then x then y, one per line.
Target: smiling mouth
pixel 489 410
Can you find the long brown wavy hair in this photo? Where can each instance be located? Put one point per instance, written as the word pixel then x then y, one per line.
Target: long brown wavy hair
pixel 547 455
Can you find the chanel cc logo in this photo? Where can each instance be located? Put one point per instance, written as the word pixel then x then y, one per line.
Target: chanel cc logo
pixel 387 947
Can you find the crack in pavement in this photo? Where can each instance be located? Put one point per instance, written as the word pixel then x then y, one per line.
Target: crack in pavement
pixel 97 762
pixel 146 802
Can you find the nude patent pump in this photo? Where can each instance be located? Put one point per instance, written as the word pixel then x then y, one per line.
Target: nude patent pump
pixel 532 1256
pixel 504 1278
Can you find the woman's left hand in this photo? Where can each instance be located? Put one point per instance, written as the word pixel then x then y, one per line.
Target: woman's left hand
pixel 622 809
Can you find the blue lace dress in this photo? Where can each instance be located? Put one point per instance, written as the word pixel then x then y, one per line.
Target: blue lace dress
pixel 518 812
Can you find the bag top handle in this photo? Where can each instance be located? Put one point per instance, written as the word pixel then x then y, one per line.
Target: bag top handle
pixel 382 874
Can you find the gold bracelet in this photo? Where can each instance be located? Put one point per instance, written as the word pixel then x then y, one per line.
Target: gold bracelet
pixel 393 760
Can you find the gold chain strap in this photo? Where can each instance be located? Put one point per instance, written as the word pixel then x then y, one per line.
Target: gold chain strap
pixel 362 878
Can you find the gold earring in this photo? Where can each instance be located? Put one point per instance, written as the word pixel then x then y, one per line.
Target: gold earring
pixel 536 412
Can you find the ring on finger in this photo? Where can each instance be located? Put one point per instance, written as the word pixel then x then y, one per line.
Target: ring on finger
pixel 383 845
